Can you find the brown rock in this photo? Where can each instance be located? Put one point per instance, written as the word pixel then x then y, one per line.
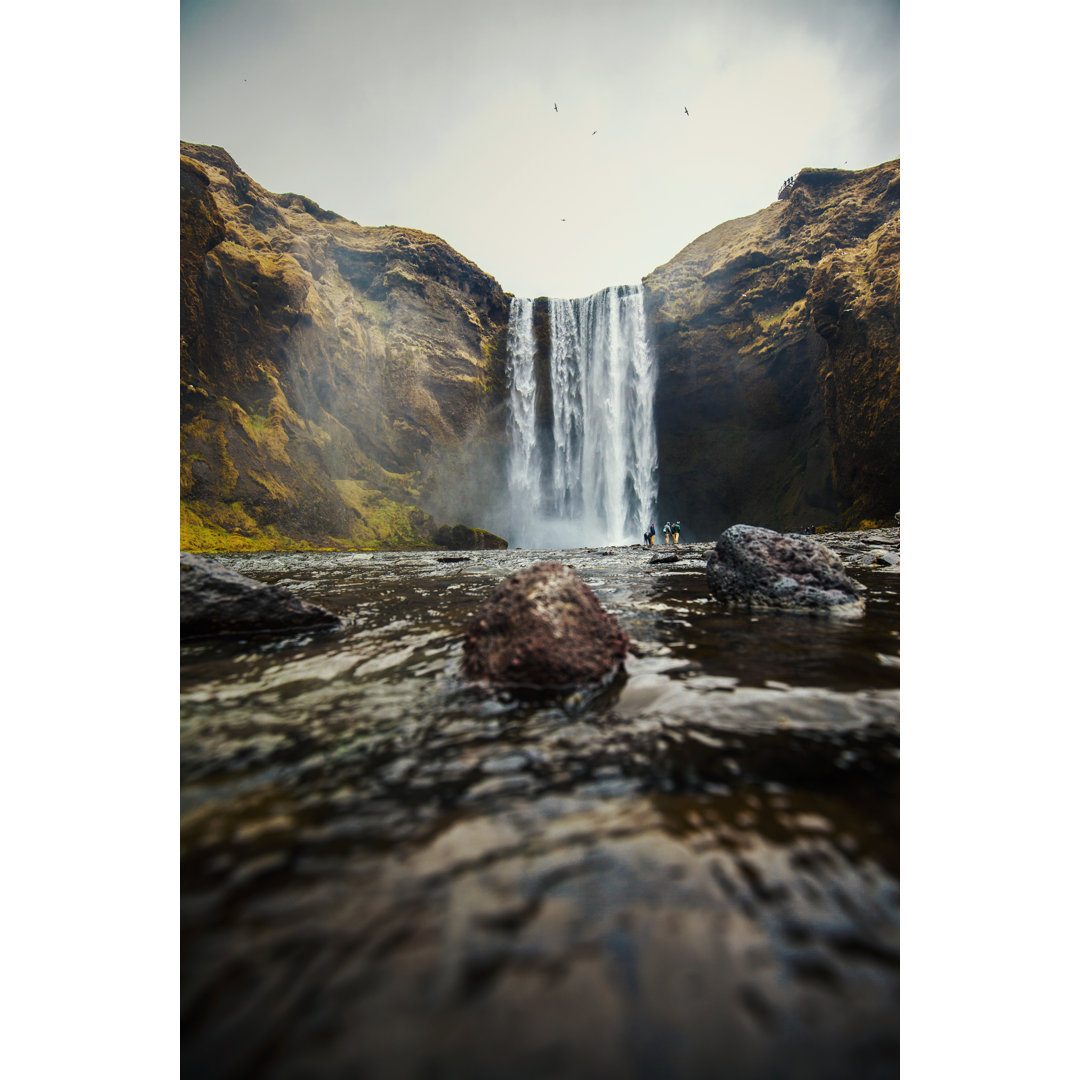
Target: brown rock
pixel 543 629
pixel 463 538
pixel 777 339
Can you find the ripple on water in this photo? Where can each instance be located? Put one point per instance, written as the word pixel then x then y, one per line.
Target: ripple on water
pixel 381 865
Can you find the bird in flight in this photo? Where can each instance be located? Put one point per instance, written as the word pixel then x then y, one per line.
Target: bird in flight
pixel 595 131
pixel 556 106
pixel 686 110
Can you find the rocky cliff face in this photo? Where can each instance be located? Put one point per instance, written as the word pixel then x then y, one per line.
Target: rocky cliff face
pixel 344 386
pixel 778 343
pixel 340 385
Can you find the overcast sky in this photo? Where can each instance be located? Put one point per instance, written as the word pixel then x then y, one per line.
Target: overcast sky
pixel 440 115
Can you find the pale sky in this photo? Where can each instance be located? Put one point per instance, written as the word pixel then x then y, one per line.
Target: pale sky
pixel 439 115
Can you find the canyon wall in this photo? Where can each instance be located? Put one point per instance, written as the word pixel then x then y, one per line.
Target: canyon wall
pixel 779 352
pixel 345 386
pixel 340 386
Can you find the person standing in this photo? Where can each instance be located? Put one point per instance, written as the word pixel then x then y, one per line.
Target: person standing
pixel 675 530
pixel 667 533
pixel 649 536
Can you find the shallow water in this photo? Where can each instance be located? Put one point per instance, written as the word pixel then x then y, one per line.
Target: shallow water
pixel 693 873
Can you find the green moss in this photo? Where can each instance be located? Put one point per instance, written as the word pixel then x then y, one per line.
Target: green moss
pixel 199 533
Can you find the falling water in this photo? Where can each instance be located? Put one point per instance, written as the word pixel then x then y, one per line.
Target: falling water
pixel 591 478
pixel 525 499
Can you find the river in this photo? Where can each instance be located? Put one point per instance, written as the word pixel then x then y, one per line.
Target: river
pixel 694 873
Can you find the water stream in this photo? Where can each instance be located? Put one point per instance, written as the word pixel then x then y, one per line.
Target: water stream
pixel 695 873
pixel 592 476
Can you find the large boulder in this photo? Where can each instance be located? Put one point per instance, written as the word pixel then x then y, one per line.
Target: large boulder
pixel 765 569
pixel 216 600
pixel 543 629
pixel 463 538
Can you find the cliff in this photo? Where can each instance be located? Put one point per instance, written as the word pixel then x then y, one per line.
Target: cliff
pixel 778 349
pixel 344 386
pixel 341 386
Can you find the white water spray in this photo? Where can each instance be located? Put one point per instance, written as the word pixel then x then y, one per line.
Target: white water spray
pixel 592 478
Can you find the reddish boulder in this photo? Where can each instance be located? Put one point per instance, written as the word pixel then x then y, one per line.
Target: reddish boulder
pixel 543 629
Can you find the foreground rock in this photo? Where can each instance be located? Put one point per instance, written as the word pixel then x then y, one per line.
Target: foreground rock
pixel 543 629
pixel 215 600
pixel 762 568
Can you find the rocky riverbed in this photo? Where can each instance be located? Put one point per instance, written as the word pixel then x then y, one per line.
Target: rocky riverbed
pixel 692 872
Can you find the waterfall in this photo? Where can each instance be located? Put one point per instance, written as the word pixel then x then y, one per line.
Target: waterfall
pixel 524 452
pixel 589 478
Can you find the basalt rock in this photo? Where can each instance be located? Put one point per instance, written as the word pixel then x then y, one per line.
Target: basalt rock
pixel 215 600
pixel 543 629
pixel 765 569
pixel 462 538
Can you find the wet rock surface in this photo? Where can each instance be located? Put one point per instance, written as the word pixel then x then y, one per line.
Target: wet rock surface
pixel 463 538
pixel 665 557
pixel 693 874
pixel 765 569
pixel 543 628
pixel 217 600
pixel 873 547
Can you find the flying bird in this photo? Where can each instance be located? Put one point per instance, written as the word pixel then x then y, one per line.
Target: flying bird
pixel 686 110
pixel 556 106
pixel 595 131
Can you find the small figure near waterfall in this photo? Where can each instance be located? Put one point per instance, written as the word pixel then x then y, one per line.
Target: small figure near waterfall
pixel 650 532
pixel 675 530
pixel 667 533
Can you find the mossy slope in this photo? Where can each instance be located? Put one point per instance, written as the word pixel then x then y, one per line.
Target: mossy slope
pixel 338 382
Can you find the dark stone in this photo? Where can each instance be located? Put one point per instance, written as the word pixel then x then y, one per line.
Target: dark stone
pixel 216 600
pixel 767 569
pixel 666 558
pixel 462 538
pixel 543 629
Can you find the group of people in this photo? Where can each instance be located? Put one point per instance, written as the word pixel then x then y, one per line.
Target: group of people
pixel 671 533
